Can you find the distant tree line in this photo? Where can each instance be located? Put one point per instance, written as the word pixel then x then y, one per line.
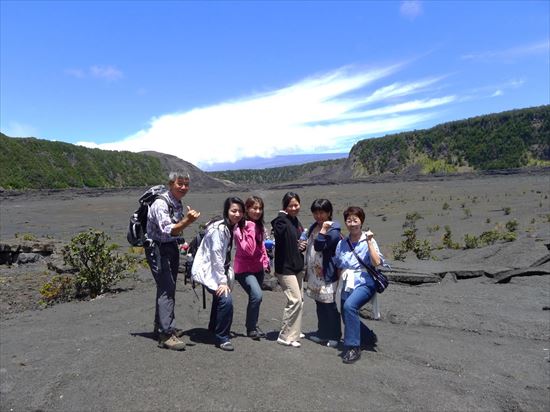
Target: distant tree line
pixel 274 174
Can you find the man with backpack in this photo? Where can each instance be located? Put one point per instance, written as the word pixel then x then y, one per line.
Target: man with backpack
pixel 165 223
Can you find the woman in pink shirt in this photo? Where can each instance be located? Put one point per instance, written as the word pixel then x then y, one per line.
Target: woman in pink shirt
pixel 251 261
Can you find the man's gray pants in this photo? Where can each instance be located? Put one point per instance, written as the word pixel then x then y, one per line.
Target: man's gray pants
pixel 163 259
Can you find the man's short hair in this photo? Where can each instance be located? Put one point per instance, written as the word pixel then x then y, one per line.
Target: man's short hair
pixel 173 176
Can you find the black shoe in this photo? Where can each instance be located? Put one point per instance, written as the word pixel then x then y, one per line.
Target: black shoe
pixel 255 334
pixel 370 342
pixel 351 355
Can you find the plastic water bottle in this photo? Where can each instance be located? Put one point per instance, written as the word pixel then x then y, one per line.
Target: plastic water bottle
pixel 303 236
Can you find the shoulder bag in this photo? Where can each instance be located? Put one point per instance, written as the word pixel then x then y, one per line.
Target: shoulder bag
pixel 380 280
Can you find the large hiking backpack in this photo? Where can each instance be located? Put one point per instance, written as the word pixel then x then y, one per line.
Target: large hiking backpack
pixel 137 229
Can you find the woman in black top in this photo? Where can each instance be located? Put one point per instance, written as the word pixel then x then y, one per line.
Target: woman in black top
pixel 289 264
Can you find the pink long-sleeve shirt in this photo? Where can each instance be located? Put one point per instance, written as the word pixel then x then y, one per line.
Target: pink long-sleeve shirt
pixel 250 255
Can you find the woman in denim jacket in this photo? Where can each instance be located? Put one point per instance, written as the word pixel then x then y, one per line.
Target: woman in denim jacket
pixel 321 273
pixel 251 261
pixel 357 284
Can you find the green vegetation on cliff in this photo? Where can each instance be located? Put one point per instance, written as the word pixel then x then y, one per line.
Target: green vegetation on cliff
pixel 505 140
pixel 29 163
pixel 274 174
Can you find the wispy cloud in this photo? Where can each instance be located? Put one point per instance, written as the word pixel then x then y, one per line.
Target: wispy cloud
pixel 106 72
pixel 492 90
pixel 510 54
pixel 18 129
pixel 110 73
pixel 411 9
pixel 321 113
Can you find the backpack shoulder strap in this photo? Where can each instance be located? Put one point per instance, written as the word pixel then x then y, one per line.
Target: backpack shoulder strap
pixel 168 203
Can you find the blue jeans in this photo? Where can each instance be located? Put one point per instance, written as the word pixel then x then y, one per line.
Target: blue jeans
pixel 356 333
pixel 163 259
pixel 328 321
pixel 221 316
pixel 252 285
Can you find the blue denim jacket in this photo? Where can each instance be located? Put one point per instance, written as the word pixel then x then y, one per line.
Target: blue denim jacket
pixel 344 258
pixel 326 243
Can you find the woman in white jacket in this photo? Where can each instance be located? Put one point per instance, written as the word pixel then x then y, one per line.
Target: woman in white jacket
pixel 212 268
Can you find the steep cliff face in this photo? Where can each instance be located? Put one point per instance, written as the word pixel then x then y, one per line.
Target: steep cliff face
pixel 199 179
pixel 505 140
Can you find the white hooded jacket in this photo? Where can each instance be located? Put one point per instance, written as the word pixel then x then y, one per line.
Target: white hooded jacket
pixel 208 263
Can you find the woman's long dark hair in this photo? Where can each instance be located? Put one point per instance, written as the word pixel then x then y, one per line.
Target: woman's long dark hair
pixel 249 203
pixel 227 205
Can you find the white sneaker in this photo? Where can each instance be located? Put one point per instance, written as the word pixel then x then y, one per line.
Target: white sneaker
pixel 332 343
pixel 293 343
pixel 302 335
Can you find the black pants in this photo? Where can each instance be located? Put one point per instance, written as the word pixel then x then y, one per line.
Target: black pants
pixel 163 259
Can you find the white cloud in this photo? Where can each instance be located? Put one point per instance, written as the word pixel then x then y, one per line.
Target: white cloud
pixel 492 90
pixel 324 113
pixel 410 9
pixel 513 53
pixel 17 129
pixel 108 72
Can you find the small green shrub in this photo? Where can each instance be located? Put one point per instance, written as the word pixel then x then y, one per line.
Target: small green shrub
pixel 489 237
pixel 445 206
pixel 509 236
pixel 448 239
pixel 506 210
pixel 98 267
pixel 423 249
pixel 512 225
pixel 432 229
pixel 488 220
pixel 399 252
pixel 25 236
pixel 59 289
pixel 471 241
pixel 467 213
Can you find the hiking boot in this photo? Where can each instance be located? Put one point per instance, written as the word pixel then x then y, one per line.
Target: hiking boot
pixel 293 343
pixel 351 355
pixel 178 333
pixel 255 334
pixel 171 342
pixel 227 346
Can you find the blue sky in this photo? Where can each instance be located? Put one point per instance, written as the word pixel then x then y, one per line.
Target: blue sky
pixel 220 81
